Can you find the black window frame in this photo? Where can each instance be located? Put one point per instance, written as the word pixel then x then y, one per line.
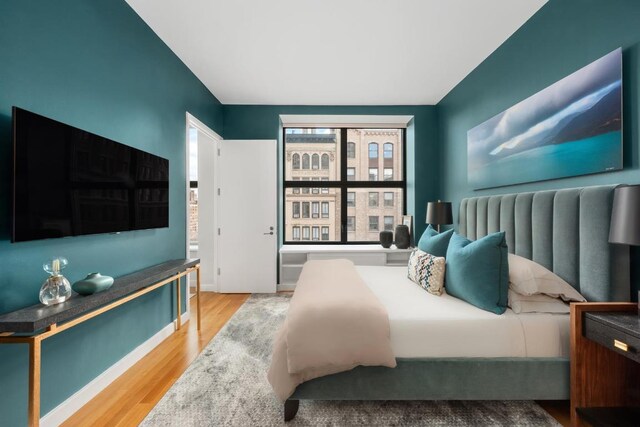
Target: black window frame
pixel 343 185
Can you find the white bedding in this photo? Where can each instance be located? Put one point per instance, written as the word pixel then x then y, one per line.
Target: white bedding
pixel 426 325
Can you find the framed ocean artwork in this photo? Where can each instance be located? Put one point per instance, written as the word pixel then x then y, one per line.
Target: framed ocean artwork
pixel 573 127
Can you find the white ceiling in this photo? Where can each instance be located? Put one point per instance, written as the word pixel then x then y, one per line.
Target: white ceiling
pixel 333 52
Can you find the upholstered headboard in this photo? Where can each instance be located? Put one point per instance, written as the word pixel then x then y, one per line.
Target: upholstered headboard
pixel 566 231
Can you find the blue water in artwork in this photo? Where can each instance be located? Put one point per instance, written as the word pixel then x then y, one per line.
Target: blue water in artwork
pixel 599 153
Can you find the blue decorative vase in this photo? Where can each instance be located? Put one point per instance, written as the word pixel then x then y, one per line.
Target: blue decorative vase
pixel 94 282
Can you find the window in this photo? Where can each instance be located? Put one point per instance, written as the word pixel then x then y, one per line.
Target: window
pixel 351 174
pixel 373 150
pixel 388 223
pixel 388 150
pixel 325 233
pixel 348 183
pixel 351 223
pixel 351 199
pixel 351 150
pixel 373 199
pixel 325 161
pixel 325 209
pixel 373 223
pixel 296 190
pixel 388 199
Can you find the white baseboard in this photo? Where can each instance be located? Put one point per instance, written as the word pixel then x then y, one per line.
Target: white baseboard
pixel 66 409
pixel 208 287
pixel 286 287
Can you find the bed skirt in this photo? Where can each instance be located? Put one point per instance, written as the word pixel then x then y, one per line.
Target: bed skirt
pixel 446 379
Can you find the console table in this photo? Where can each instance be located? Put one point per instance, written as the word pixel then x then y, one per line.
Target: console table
pixel 605 364
pixel 32 325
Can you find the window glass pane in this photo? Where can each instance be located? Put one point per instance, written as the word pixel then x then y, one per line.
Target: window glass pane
pixel 315 190
pixel 351 199
pixel 325 190
pixel 388 198
pixel 315 233
pixel 351 174
pixel 373 223
pixel 296 190
pixel 366 206
pixel 351 150
pixel 305 233
pixel 388 174
pixel 309 210
pixel 376 149
pixel 373 150
pixel 373 199
pixel 312 152
pixel 351 223
pixel 388 223
pixel 325 233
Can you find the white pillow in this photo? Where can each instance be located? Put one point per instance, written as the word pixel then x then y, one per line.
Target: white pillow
pixel 536 304
pixel 530 278
pixel 427 271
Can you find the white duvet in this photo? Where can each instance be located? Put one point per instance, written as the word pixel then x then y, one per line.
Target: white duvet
pixel 426 325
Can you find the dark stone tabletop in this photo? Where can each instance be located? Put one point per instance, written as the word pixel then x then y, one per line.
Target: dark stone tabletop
pixel 37 317
pixel 624 321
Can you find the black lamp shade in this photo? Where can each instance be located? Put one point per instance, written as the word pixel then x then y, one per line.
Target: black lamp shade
pixel 439 213
pixel 625 216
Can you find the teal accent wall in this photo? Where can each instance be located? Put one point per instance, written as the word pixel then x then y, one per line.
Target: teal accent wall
pixel 95 65
pixel 423 152
pixel 562 37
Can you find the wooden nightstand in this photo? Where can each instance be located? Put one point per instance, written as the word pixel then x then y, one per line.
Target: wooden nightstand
pixel 605 364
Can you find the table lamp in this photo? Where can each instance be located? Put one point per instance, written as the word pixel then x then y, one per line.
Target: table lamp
pixel 625 217
pixel 439 213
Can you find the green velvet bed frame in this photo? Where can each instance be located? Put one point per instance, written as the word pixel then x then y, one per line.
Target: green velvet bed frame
pixel 567 232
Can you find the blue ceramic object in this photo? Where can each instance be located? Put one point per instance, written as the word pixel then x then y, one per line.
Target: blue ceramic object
pixel 94 282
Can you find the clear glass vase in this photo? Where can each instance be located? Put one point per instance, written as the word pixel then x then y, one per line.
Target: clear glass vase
pixel 56 288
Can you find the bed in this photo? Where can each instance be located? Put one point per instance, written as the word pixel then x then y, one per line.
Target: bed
pixel 482 356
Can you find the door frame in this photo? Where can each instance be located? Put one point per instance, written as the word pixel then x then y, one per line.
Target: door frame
pixel 192 121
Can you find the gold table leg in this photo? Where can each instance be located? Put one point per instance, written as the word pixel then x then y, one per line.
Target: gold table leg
pixel 34 382
pixel 178 320
pixel 198 295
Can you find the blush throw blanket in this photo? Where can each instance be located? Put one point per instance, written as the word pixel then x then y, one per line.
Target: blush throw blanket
pixel 334 324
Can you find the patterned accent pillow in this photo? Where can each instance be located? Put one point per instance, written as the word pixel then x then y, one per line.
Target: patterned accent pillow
pixel 427 271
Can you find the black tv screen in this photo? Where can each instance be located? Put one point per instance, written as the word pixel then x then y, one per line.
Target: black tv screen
pixel 70 182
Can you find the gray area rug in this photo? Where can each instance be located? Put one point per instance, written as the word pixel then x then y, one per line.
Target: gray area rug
pixel 227 386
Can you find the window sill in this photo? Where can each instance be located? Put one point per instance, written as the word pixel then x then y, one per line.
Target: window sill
pixel 337 248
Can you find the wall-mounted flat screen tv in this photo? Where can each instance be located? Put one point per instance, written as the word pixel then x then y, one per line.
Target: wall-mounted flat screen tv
pixel 70 182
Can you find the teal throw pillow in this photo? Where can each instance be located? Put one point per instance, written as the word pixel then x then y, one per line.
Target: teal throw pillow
pixel 435 243
pixel 478 271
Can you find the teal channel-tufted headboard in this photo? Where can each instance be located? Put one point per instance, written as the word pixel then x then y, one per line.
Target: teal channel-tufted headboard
pixel 566 231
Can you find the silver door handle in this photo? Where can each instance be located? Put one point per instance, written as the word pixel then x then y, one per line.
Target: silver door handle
pixel 271 233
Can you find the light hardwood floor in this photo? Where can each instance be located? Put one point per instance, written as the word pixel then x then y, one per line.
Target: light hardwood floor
pixel 128 400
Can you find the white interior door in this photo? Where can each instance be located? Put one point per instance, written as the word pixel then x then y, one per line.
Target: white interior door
pixel 207 198
pixel 247 215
